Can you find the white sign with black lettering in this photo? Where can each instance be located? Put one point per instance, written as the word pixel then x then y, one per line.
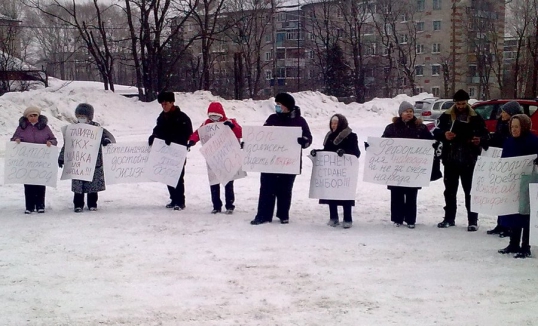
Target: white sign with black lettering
pixel 165 162
pixel 125 162
pixel 31 164
pixel 334 177
pixel 82 142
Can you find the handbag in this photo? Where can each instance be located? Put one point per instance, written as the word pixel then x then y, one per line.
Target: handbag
pixel 524 198
pixel 436 168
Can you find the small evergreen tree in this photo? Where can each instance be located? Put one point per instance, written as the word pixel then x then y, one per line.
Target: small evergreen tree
pixel 338 78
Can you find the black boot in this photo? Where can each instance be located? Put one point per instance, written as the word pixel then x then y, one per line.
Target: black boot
pixel 511 249
pixel 525 252
pixel 496 230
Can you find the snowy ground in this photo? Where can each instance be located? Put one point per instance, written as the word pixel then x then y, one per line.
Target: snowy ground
pixel 134 262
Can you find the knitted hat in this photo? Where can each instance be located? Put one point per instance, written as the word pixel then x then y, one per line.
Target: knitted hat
pixel 165 96
pixel 524 121
pixel 285 99
pixel 84 109
pixel 461 95
pixel 405 106
pixel 512 108
pixel 31 110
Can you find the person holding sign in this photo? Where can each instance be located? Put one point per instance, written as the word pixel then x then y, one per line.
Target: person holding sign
pixel 33 128
pixel 84 114
pixel 173 126
pixel 502 133
pixel 522 142
pixel 463 132
pixel 403 200
pixel 342 140
pixel 277 187
pixel 215 113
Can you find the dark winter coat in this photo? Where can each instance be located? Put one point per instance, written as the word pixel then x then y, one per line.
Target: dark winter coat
pixel 342 138
pixel 502 133
pixel 460 151
pixel 526 144
pixel 39 133
pixel 173 126
pixel 98 182
pixel 412 129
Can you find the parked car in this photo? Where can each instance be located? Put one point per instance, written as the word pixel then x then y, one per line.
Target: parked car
pixel 490 111
pixel 431 108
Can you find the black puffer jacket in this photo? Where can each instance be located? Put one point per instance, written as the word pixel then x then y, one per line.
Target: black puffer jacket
pixel 174 126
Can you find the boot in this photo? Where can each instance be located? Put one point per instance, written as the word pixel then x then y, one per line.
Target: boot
pixel 446 223
pixel 511 249
pixel 496 230
pixel 525 252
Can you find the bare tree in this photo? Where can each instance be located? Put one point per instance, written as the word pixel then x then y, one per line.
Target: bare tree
pixel 533 49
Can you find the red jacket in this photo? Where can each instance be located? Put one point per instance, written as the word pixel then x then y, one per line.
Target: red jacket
pixel 217 109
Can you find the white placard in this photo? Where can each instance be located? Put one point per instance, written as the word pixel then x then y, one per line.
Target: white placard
pixel 272 149
pixel 31 164
pixel 82 142
pixel 223 155
pixel 125 162
pixel 496 181
pixel 399 162
pixel 165 163
pixel 334 177
pixel 533 193
pixel 494 152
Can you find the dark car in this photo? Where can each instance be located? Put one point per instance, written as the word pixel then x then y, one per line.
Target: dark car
pixel 490 111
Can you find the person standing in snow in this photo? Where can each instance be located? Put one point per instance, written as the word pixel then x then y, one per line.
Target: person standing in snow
pixel 463 132
pixel 277 187
pixel 403 200
pixel 502 133
pixel 173 126
pixel 342 140
pixel 215 113
pixel 33 129
pixel 84 114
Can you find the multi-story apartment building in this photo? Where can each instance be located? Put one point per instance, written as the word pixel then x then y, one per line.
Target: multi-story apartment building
pixel 9 36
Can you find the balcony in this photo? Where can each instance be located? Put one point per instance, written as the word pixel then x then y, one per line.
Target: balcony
pixel 292 62
pixel 473 80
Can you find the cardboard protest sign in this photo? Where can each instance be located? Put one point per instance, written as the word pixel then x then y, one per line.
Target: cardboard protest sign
pixel 496 184
pixel 399 162
pixel 272 149
pixel 533 193
pixel 31 164
pixel 82 142
pixel 165 163
pixel 223 155
pixel 125 163
pixel 494 152
pixel 334 177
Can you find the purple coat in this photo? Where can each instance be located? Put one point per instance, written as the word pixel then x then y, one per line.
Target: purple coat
pixel 39 133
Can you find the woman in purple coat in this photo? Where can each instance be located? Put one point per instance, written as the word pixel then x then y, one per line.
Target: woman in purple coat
pixel 33 128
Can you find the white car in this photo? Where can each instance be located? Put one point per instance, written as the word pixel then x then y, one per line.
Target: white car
pixel 430 109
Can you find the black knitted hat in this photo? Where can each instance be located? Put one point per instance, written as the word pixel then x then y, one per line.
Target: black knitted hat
pixel 461 95
pixel 165 96
pixel 285 99
pixel 85 109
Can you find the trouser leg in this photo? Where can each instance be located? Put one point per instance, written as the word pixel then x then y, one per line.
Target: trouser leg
pixel 283 195
pixel 451 180
pixel 411 205
pixel 92 199
pixel 229 195
pixel 266 199
pixel 397 205
pixel 78 200
pixel 215 197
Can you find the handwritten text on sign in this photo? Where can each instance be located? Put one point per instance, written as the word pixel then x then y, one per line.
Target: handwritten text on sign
pixel 124 162
pixel 32 164
pixel 272 149
pixel 165 163
pixel 334 177
pixel 495 188
pixel 494 152
pixel 223 155
pixel 399 162
pixel 82 142
pixel 533 193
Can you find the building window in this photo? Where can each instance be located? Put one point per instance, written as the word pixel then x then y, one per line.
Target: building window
pixel 281 73
pixel 421 5
pixel 339 13
pixel 268 75
pixel 268 56
pixel 189 27
pixel 436 48
pixel 472 92
pixel 419 89
pixel 420 48
pixel 420 26
pixel 404 17
pixel 419 70
pixel 436 25
pixel 436 4
pixel 268 38
pixel 311 54
pixel 436 91
pixel 403 38
pixel 371 49
pixel 436 70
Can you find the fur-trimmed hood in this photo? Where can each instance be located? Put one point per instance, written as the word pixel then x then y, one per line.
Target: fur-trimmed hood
pixel 413 120
pixel 340 137
pixel 42 122
pixel 452 112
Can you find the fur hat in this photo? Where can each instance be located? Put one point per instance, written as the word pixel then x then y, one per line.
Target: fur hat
pixel 165 96
pixel 524 121
pixel 285 99
pixel 405 106
pixel 512 108
pixel 85 109
pixel 461 95
pixel 31 110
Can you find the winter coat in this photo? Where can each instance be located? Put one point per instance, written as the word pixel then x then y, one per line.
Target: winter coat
pixel 460 151
pixel 174 126
pixel 526 144
pixel 98 182
pixel 502 133
pixel 412 129
pixel 348 141
pixel 39 133
pixel 218 109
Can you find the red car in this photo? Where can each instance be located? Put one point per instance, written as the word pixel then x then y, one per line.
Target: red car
pixel 490 111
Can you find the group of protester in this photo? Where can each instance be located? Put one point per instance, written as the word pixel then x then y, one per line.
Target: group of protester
pixel 460 129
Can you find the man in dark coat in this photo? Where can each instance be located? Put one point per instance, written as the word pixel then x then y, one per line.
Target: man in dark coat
pixel 463 132
pixel 173 126
pixel 278 186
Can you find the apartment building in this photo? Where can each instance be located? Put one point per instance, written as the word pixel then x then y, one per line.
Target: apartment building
pixel 9 36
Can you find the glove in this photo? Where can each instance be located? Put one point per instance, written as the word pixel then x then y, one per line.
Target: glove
pixel 366 145
pixel 150 140
pixel 61 163
pixel 302 141
pixel 229 124
pixel 105 142
pixel 242 144
pixel 340 152
pixel 190 144
pixel 314 152
pixel 167 142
